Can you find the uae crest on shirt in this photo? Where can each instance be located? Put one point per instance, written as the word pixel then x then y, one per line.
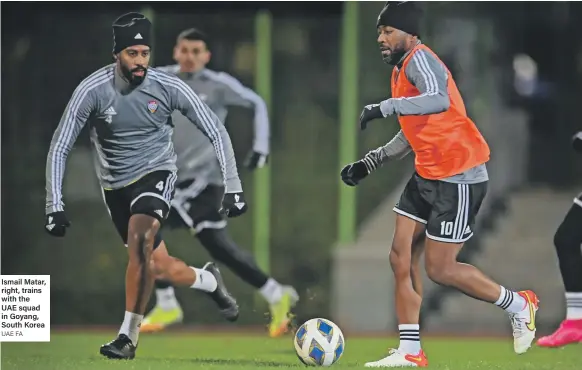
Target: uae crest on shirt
pixel 152 106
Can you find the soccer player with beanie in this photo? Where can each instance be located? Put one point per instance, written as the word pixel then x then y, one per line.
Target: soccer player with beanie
pixel 443 196
pixel 127 106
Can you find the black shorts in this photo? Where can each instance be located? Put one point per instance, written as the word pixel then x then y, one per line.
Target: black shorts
pixel 448 210
pixel 196 206
pixel 150 195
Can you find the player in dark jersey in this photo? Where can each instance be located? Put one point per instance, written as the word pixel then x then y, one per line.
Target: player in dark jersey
pixel 128 106
pixel 568 242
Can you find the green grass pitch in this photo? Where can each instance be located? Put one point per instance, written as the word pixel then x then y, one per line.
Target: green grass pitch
pixel 192 350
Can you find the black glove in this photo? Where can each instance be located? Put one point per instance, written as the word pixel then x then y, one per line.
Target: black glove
pixel 233 204
pixel 56 223
pixel 577 141
pixel 370 112
pixel 353 173
pixel 256 160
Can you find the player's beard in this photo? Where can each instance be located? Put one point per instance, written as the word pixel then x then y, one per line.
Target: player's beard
pixel 130 77
pixel 395 55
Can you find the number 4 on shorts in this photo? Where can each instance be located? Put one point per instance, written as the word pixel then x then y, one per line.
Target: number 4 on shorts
pixel 160 186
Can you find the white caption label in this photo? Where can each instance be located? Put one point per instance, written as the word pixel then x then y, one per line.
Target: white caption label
pixel 26 308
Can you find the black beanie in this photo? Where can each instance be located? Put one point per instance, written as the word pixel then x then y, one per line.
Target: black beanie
pixel 131 29
pixel 402 15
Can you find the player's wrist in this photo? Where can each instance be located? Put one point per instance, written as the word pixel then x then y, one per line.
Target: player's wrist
pixel 233 184
pixel 387 107
pixel 233 204
pixel 231 189
pixel 372 161
pixel 259 148
pixel 54 209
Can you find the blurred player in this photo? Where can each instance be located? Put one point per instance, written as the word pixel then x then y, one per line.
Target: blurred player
pixel 128 107
pixel 445 193
pixel 199 187
pixel 568 241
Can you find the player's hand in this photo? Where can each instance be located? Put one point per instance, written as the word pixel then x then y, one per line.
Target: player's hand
pixel 577 141
pixel 256 160
pixel 353 173
pixel 56 223
pixel 233 204
pixel 370 112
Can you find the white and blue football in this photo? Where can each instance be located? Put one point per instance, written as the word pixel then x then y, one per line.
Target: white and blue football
pixel 319 342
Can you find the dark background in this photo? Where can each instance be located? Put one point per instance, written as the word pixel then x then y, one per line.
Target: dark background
pixel 48 48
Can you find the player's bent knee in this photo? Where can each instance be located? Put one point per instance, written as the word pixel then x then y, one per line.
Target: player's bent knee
pixel 174 271
pixel 565 240
pixel 168 269
pixel 560 239
pixel 161 264
pixel 434 273
pixel 218 254
pixel 143 241
pixel 568 236
pixel 214 242
pixel 439 272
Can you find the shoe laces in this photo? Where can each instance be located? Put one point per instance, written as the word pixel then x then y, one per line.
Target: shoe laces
pixel 393 351
pixel 117 343
pixel 518 324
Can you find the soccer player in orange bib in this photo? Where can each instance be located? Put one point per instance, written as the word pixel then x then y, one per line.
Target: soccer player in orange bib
pixel 444 195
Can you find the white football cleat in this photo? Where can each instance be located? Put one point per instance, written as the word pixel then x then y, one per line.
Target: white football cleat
pixel 524 323
pixel 397 358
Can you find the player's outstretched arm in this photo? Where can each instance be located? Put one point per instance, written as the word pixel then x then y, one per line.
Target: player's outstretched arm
pixel 397 148
pixel 240 95
pixel 74 118
pixel 185 100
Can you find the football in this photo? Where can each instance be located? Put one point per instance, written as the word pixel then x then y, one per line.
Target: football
pixel 319 342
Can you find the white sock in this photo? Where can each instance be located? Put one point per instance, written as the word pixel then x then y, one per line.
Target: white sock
pixel 204 280
pixel 272 291
pixel 510 301
pixel 130 326
pixel 166 299
pixel 574 306
pixel 409 338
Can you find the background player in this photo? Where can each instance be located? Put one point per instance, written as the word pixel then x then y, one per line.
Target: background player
pixel 199 189
pixel 568 241
pixel 128 107
pixel 445 193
